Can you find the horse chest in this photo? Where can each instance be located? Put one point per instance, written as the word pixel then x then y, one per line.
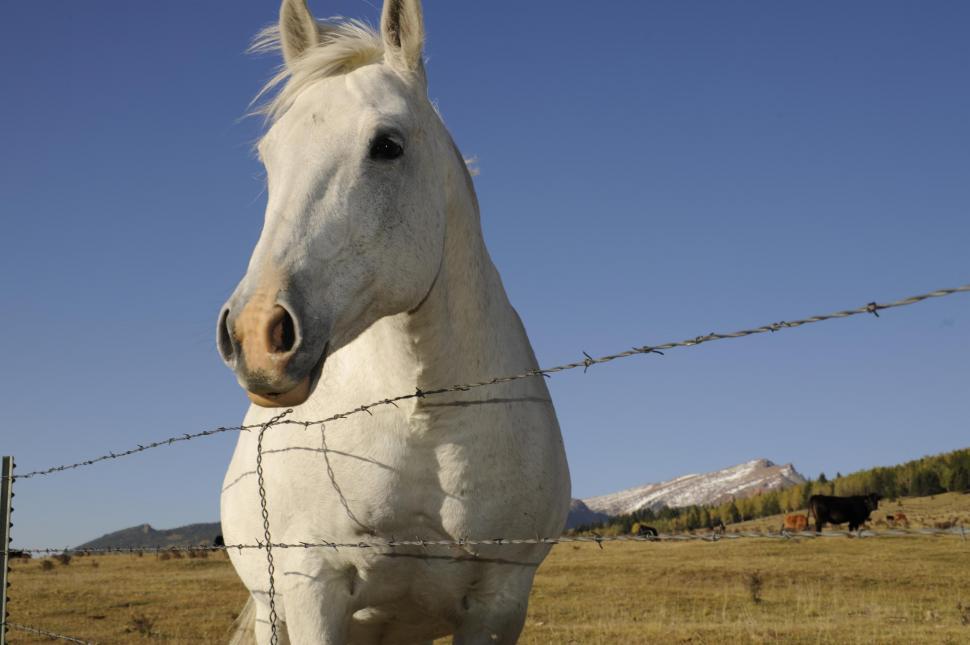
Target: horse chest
pixel 344 483
pixel 395 482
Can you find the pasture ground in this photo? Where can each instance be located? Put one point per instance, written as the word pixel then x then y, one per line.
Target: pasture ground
pixel 833 590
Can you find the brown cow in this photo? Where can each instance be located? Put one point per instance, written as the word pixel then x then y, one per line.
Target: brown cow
pixel 899 519
pixel 795 522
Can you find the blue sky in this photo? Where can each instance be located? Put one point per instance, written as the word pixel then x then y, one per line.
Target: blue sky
pixel 654 173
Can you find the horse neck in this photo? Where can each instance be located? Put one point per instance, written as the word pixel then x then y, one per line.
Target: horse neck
pixel 465 329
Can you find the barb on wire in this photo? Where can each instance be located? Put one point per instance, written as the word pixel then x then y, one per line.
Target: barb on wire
pixel 132 451
pixel 392 543
pixel 586 362
pixel 41 632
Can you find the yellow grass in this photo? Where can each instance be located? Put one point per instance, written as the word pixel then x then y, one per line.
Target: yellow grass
pixel 833 590
pixel 99 598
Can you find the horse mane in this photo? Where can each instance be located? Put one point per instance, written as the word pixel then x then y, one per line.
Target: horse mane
pixel 344 45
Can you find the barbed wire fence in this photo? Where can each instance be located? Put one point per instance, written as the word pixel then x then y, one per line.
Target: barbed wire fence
pixel 592 538
pixel 8 478
pixel 50 635
pixel 599 540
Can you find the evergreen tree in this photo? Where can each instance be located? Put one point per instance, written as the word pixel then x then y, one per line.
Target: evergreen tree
pixel 926 482
pixel 706 518
pixel 960 479
pixel 770 506
pixel 807 493
pixel 693 518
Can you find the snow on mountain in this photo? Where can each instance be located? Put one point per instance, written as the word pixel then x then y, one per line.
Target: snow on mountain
pixel 716 487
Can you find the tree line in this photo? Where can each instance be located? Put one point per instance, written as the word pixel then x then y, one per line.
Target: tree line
pixel 948 472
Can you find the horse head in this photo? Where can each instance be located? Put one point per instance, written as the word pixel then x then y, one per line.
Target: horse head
pixel 355 158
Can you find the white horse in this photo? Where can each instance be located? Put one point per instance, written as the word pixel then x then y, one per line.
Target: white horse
pixel 370 279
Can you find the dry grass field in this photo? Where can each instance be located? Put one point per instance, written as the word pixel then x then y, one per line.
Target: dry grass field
pixel 835 590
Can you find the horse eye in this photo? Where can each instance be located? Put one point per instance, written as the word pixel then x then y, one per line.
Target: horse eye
pixel 385 148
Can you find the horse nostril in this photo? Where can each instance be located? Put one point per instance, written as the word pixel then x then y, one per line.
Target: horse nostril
pixel 224 337
pixel 282 335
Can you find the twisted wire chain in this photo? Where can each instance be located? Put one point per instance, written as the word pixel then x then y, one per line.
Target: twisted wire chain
pixel 273 618
pixel 563 539
pixel 588 361
pixel 41 632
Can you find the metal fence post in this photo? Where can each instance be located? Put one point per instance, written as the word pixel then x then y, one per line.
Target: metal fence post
pixel 6 509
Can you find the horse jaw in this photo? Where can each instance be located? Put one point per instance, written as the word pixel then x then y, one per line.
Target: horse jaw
pixel 296 396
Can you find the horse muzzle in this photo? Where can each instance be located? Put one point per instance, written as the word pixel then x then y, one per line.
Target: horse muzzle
pixel 294 396
pixel 264 345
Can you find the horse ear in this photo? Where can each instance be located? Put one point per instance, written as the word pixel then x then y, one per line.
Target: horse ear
pixel 298 29
pixel 402 29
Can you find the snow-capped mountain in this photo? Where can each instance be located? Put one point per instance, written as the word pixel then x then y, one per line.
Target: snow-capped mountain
pixel 719 486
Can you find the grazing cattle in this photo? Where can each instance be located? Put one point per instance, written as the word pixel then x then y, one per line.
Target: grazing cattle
pixel 643 531
pixel 719 528
pixel 795 522
pixel 219 541
pixel 898 519
pixel 854 509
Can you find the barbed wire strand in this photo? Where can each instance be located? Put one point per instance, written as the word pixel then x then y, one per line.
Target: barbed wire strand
pixel 271 569
pixel 140 448
pixel 588 361
pixel 52 635
pixel 563 539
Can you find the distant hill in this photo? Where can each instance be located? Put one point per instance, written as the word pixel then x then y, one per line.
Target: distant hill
pixel 580 514
pixel 144 536
pixel 738 482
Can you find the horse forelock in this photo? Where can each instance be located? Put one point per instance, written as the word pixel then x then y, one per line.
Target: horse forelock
pixel 345 45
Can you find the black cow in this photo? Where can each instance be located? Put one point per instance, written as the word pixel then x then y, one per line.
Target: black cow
pixel 647 531
pixel 219 541
pixel 854 509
